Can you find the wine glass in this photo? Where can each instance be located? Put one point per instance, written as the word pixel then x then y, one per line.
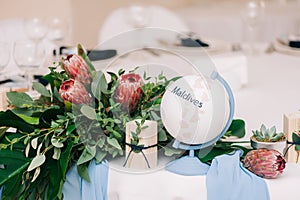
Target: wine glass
pixel 29 56
pixel 59 29
pixel 35 28
pixel 4 55
pixel 252 15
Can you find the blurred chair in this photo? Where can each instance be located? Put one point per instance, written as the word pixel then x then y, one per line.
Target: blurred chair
pixel 136 16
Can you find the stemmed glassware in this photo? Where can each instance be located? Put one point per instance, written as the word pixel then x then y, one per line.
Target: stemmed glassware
pixel 28 55
pixel 35 28
pixel 4 55
pixel 252 15
pixel 59 29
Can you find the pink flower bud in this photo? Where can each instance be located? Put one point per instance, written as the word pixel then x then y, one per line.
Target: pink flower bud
pixel 77 69
pixel 74 92
pixel 128 92
pixel 266 163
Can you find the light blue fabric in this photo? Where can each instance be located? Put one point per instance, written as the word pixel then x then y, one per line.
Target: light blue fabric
pixel 1 189
pixel 76 188
pixel 227 179
pixel 188 166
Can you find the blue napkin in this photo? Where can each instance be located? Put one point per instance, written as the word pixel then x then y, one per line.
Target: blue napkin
pixel 227 179
pixel 1 192
pixel 76 188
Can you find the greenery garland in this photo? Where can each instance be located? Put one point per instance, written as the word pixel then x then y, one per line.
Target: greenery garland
pixel 40 139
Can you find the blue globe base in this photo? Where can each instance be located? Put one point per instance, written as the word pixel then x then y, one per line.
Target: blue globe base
pixel 188 166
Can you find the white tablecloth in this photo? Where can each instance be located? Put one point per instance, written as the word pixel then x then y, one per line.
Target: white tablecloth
pixel 272 90
pixel 163 185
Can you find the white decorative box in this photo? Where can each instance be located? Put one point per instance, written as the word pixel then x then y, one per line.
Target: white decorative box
pixel 291 123
pixel 148 138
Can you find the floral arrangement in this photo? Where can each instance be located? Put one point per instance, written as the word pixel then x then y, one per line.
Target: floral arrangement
pixel 81 116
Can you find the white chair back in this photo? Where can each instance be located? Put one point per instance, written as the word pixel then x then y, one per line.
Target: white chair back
pixel 132 17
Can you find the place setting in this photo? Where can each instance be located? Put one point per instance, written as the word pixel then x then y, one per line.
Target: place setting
pixel 289 45
pixel 191 44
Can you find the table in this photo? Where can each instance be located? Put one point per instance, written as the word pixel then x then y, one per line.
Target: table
pixel 222 20
pixel 271 91
pixel 163 185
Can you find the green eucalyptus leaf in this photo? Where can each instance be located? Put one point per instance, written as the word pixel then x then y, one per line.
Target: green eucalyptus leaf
pixel 89 112
pixel 162 136
pixel 154 116
pixel 81 52
pixel 208 156
pixel 114 142
pixel 36 174
pixel 3 131
pixel 113 77
pixel 56 143
pixel 36 162
pixel 23 111
pixel 296 138
pixel 171 151
pixel 121 71
pixel 100 155
pixel 48 116
pixel 19 99
pixel 99 85
pixel 83 172
pixel 34 142
pixel 29 120
pixel 237 128
pixel 40 88
pixel 56 154
pixel 88 154
pixel 70 129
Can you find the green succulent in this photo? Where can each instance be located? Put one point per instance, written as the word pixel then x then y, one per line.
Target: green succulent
pixel 268 135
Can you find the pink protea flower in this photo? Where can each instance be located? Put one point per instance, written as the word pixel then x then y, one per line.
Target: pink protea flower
pixel 266 163
pixel 128 92
pixel 77 69
pixel 74 92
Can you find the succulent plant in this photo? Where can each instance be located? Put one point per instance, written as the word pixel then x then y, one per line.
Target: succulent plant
pixel 266 163
pixel 268 135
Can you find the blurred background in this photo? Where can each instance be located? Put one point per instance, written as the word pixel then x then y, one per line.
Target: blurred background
pixel 217 19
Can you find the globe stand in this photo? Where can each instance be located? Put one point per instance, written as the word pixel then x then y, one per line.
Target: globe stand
pixel 190 165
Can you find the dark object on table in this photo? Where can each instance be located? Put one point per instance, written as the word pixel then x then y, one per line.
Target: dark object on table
pixel 5 81
pixel 60 50
pixel 101 54
pixel 189 42
pixel 92 54
pixel 294 44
